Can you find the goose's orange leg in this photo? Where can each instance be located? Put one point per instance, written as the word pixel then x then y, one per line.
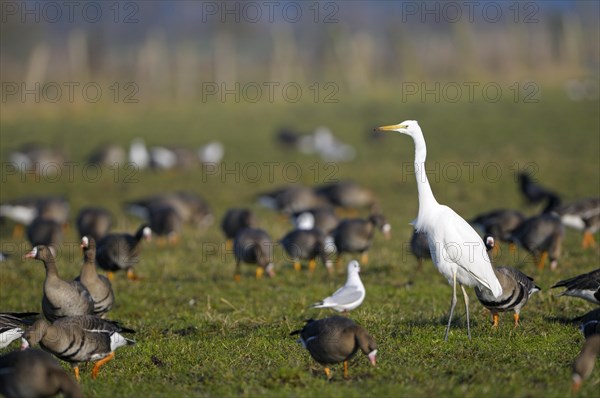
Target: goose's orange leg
pixel 101 362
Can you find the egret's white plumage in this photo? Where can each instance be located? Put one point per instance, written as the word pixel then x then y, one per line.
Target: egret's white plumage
pixel 349 296
pixel 456 249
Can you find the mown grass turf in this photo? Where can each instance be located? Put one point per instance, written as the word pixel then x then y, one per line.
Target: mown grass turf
pixel 199 333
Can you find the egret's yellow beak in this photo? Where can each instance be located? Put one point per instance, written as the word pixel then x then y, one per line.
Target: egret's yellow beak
pixel 391 127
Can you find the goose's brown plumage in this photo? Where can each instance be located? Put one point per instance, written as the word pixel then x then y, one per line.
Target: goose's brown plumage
pixel 120 251
pixel 45 231
pixel 236 220
pixel 585 286
pixel 61 298
pixel 79 339
pixel 336 339
pixel 253 246
pixel 94 222
pixel 99 286
pixel 349 195
pixel 585 361
pixel 516 290
pixel 12 325
pixel 33 373
pixel 305 244
pixel 356 235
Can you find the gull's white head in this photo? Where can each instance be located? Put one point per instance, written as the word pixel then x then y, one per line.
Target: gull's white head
pixel 353 267
pixel 408 127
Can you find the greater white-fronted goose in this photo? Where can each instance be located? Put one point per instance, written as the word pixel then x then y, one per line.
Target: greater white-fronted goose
pixel 78 339
pixel 585 286
pixel 167 158
pixel 43 231
pixel 419 246
pixel 356 235
pixel 516 290
pixel 582 215
pixel 306 244
pixel 94 222
pixel 589 324
pixel 109 155
pixel 98 286
pixel 61 298
pixel 253 246
pixel 236 220
pixel 531 190
pixel 292 199
pixel 349 296
pixel 323 218
pixel 12 325
pixel 33 373
pixel 541 235
pixel 24 210
pixel 33 156
pixel 165 222
pixel 192 208
pixel 349 196
pixel 498 223
pixel 336 339
pixel 120 251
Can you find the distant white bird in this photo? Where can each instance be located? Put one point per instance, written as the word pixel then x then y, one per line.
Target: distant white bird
pixel 138 154
pixel 212 152
pixel 456 249
pixel 349 296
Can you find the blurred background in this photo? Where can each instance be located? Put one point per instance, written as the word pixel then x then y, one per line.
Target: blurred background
pixel 177 50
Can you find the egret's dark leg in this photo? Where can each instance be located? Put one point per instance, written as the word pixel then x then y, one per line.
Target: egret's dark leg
pixel 467 307
pixel 452 305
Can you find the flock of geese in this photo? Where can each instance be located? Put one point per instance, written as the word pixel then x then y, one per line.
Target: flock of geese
pixel 74 327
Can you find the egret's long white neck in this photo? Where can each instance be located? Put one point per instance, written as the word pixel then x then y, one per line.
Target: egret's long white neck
pixel 426 198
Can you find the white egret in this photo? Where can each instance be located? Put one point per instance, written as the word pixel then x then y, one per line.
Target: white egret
pixel 456 249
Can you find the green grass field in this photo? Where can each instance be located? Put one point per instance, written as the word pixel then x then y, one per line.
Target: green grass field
pixel 199 333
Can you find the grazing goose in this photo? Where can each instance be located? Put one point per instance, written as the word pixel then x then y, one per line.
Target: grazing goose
pixel 498 223
pixel 165 221
pixel 192 208
pixel 61 298
pixel 419 246
pixel 254 246
pixel 47 232
pixel 120 251
pixel 542 236
pixel 12 325
pixel 349 196
pixel 94 222
pixel 24 210
pixel 138 154
pixel 34 373
pixel 585 286
pixel 109 155
pixel 533 192
pixel 290 200
pixel 45 161
pixel 323 218
pixel 306 244
pixel 349 296
pixel 336 339
pixel 582 215
pixel 78 339
pixel 356 235
pixel 516 290
pixel 456 248
pixel 584 363
pixel 236 220
pixel 98 286
pixel 211 152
